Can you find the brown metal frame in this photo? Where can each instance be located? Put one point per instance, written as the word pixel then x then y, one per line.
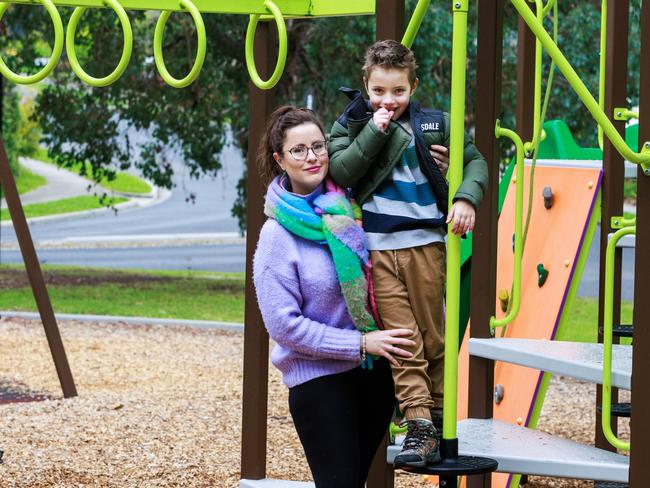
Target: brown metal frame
pixel 35 275
pixel 640 452
pixel 484 250
pixel 256 339
pixel 613 174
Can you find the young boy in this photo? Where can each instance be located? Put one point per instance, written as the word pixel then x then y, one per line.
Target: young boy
pixel 393 154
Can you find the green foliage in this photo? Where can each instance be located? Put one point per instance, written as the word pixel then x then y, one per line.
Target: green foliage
pixel 10 127
pixel 81 123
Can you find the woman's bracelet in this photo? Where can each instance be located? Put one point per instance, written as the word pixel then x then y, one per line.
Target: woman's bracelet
pixel 363 347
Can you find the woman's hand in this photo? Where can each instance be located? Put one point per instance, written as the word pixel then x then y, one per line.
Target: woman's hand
pixel 440 155
pixel 463 215
pixel 385 343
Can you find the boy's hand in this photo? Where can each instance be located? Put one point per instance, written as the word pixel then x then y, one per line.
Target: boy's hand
pixel 440 155
pixel 463 215
pixel 381 118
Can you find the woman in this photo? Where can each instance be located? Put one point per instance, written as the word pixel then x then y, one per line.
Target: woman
pixel 309 271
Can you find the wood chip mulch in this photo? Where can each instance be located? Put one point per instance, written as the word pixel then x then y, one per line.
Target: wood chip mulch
pixel 161 407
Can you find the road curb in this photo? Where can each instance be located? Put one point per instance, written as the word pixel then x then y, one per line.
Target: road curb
pixel 112 319
pixel 131 204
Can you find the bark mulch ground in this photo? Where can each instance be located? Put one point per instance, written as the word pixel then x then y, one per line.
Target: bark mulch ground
pixel 161 406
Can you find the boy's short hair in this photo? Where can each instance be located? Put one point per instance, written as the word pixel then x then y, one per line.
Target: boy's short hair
pixel 390 54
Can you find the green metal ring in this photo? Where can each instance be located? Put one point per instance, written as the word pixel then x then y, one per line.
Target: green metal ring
pixel 56 51
pixel 282 48
pixel 200 50
pixel 126 51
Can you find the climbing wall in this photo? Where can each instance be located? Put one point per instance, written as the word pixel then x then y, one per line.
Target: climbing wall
pixel 555 239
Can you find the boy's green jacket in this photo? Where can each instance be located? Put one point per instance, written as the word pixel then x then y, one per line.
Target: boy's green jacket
pixel 362 156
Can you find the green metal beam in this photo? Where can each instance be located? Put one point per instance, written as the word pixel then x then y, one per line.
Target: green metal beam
pixel 289 8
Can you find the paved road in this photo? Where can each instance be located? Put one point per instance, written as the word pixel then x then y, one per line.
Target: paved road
pixel 209 211
pixel 223 258
pixel 60 183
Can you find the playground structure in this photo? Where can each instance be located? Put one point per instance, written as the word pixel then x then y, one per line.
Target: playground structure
pixel 484 350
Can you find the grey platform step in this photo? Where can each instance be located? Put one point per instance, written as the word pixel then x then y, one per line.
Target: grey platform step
pixel 269 483
pixel 628 241
pixel 575 359
pixel 526 451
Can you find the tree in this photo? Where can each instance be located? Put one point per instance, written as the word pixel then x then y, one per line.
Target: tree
pixel 323 55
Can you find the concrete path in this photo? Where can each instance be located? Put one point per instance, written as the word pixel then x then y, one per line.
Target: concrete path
pixel 60 183
pixel 112 319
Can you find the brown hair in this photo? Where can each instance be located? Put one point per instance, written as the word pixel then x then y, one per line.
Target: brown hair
pixel 281 120
pixel 390 54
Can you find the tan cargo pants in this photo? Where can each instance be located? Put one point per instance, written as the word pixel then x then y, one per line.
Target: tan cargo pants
pixel 409 289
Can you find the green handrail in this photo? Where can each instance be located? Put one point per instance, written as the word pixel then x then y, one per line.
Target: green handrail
pixel 56 50
pixel 608 320
pixel 601 67
pixel 282 48
pixel 515 300
pixel 200 49
pixel 455 174
pixel 643 157
pixel 537 96
pixel 126 50
pixel 415 22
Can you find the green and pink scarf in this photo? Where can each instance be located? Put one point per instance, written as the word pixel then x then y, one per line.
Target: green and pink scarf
pixel 332 220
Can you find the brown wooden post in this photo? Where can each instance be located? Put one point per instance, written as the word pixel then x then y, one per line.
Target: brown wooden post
pixel 389 19
pixel 640 421
pixel 35 276
pixel 613 173
pixel 525 79
pixel 484 250
pixel 389 24
pixel 256 339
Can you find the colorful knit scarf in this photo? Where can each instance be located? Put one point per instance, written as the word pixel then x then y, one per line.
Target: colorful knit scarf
pixel 331 221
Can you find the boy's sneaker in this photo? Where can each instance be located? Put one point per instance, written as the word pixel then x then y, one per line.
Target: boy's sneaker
pixel 436 419
pixel 421 446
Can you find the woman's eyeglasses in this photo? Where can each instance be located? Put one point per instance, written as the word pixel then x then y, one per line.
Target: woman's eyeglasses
pixel 301 152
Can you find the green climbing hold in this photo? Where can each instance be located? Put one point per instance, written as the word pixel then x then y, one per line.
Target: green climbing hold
pixel 542 275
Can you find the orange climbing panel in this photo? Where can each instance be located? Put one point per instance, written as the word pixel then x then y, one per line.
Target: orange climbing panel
pixel 555 239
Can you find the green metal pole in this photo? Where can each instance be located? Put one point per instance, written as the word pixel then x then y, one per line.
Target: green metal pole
pixel 537 97
pixel 519 238
pixel 581 90
pixel 601 68
pixel 608 320
pixel 415 22
pixel 455 173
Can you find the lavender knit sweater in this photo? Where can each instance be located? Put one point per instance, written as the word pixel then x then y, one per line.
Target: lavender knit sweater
pixel 302 306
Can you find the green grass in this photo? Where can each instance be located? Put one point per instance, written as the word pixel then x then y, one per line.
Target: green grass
pixel 28 181
pixel 67 205
pixel 123 182
pixel 583 321
pixel 166 294
pixel 629 188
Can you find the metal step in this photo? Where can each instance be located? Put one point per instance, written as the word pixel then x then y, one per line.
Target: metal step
pixel 620 330
pixel 269 483
pixel 526 451
pixel 619 409
pixel 574 359
pixel 610 484
pixel 627 242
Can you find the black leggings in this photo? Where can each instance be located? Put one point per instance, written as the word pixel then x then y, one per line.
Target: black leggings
pixel 341 419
